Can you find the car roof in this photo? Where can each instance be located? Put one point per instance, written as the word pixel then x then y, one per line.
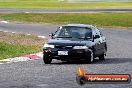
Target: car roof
pixel 79 25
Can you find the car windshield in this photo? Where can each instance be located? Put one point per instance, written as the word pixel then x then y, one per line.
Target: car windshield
pixel 74 32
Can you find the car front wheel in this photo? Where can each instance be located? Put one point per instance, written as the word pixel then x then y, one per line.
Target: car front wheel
pixel 47 60
pixel 91 58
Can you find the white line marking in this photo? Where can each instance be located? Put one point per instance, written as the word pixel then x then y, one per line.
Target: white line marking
pixel 19 59
pixel 4 22
pixel 5 60
pixel 27 12
pixel 13 32
pixel 5 31
pixel 28 34
pixel 41 36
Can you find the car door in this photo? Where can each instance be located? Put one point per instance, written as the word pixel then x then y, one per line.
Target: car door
pixel 98 44
pixel 103 43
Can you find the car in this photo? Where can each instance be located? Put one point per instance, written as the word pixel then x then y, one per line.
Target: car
pixel 75 42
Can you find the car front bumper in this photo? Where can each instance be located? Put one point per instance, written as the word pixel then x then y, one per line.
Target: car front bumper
pixel 73 54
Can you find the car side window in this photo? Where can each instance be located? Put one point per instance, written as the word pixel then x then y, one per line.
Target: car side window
pixel 56 32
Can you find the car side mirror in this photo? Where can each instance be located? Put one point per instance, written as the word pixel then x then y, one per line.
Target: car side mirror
pixel 96 36
pixel 51 34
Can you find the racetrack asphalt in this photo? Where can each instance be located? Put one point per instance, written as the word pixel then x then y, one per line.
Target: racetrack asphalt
pixel 36 74
pixel 15 10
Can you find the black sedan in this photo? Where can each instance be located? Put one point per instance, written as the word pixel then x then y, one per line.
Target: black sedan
pixel 75 42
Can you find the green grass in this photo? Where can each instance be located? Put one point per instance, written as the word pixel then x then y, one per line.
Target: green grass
pixel 12 45
pixel 62 5
pixel 98 19
pixel 30 0
pixel 13 50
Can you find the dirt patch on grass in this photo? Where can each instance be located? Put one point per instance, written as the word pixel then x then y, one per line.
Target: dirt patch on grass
pixel 13 45
pixel 21 39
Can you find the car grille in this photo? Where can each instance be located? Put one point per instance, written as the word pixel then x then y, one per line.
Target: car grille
pixel 63 47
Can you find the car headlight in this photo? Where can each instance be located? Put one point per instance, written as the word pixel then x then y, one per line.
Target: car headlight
pixel 80 47
pixel 48 46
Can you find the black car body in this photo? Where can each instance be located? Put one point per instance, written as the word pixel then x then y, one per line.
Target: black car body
pixel 75 42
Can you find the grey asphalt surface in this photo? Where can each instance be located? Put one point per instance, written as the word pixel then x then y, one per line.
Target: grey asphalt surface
pixel 36 29
pixel 36 74
pixel 14 10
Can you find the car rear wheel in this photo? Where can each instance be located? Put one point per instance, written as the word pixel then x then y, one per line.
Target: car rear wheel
pixel 47 60
pixel 102 57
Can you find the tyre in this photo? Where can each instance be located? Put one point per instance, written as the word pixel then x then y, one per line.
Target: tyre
pixel 102 57
pixel 47 60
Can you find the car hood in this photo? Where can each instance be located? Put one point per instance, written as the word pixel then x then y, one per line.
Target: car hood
pixel 71 42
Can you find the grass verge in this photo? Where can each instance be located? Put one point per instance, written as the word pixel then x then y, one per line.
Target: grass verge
pixel 12 45
pixel 98 19
pixel 63 5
